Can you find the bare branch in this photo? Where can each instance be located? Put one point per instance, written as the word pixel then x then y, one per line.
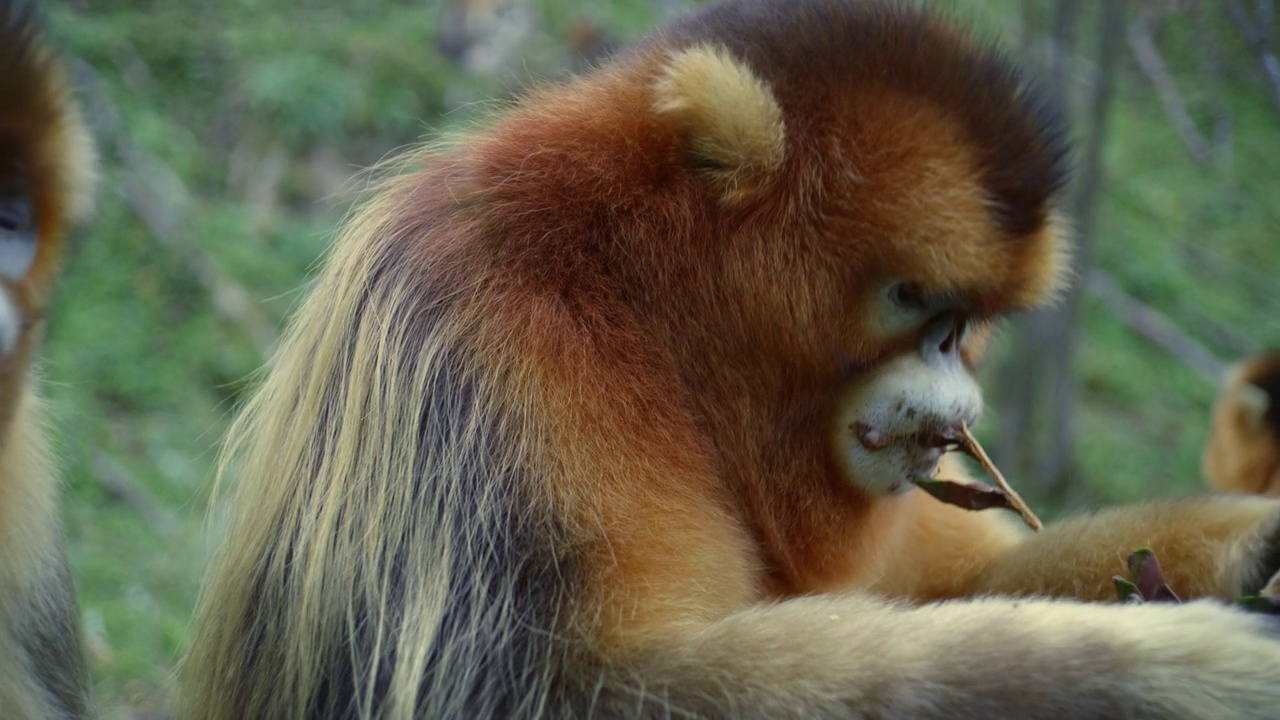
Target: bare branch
pixel 121 485
pixel 1154 326
pixel 1153 66
pixel 1204 19
pixel 1257 34
pixel 157 195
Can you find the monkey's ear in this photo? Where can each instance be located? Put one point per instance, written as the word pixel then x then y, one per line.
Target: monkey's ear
pixel 1254 404
pixel 731 118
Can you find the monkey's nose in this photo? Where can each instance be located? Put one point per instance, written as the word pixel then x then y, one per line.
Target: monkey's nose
pixel 942 338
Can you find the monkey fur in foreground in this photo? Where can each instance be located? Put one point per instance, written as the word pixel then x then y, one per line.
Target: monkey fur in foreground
pixel 46 172
pixel 1243 450
pixel 611 409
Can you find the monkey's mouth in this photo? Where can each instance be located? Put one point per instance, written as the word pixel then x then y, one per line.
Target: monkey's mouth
pixel 897 457
pixel 874 439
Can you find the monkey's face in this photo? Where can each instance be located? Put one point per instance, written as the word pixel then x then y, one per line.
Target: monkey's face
pixel 893 422
pixel 936 261
pixel 912 393
pixel 874 214
pixel 945 267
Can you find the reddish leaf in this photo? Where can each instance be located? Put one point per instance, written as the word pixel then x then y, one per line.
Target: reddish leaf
pixel 1144 571
pixel 967 495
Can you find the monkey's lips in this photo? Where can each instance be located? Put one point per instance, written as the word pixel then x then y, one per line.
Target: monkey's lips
pixel 899 457
pixel 874 439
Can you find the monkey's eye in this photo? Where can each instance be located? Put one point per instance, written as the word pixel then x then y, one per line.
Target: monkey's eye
pixel 15 213
pixel 17 234
pixel 907 295
pixel 902 306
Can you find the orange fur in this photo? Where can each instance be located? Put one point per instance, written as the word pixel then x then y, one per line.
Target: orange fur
pixel 1242 453
pixel 568 426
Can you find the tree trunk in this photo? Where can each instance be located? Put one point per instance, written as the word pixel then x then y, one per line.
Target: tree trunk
pixel 1038 389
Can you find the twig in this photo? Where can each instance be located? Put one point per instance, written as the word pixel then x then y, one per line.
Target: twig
pixel 970 446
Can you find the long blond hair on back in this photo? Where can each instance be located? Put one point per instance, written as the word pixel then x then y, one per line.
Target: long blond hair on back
pixel 377 510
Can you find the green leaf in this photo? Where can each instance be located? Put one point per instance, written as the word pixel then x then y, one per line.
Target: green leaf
pixel 1260 604
pixel 1126 591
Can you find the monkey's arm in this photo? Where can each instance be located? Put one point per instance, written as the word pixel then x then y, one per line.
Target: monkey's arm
pixel 1212 546
pixel 942 550
pixel 1216 546
pixel 852 657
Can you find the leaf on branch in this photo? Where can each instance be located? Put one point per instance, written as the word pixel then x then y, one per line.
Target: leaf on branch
pixel 978 495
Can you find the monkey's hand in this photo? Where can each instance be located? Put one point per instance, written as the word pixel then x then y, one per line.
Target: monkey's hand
pixel 1216 546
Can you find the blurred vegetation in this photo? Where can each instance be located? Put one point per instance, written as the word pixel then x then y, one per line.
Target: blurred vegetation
pixel 231 130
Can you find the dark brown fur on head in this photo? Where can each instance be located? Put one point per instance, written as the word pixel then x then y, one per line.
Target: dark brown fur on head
pixel 824 58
